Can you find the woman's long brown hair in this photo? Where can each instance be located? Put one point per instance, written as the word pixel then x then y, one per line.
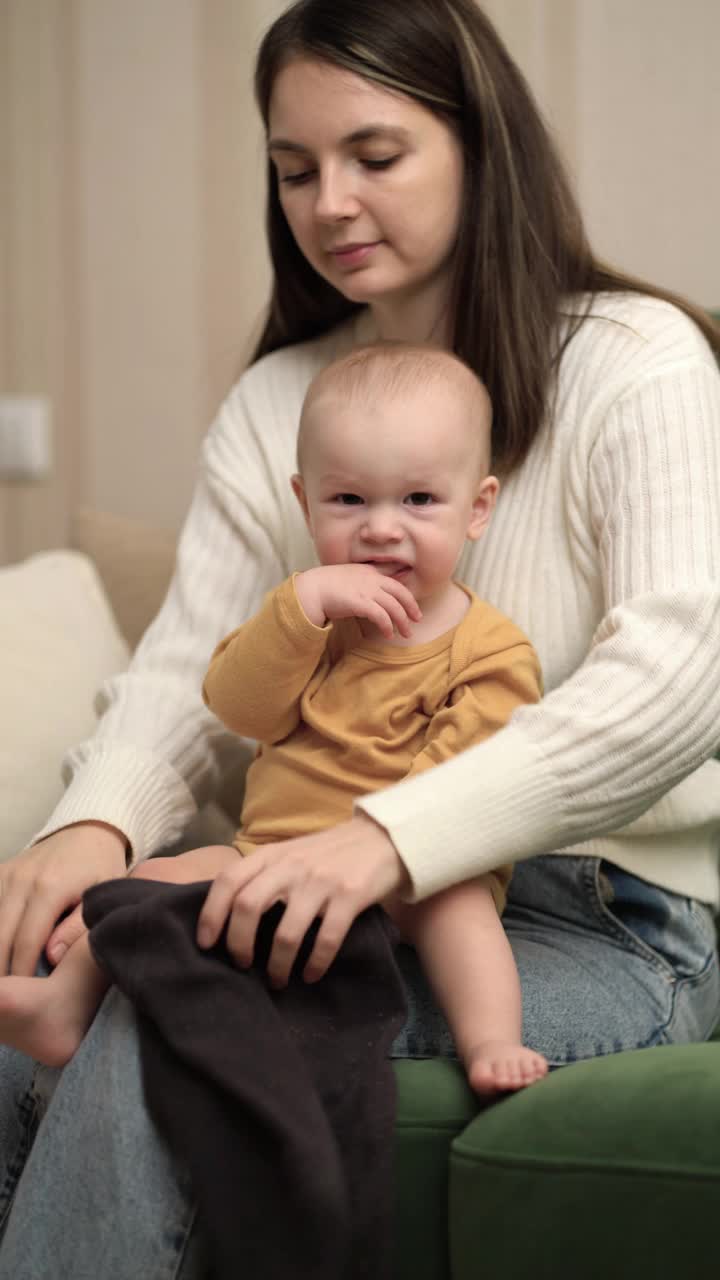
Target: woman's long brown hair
pixel 522 259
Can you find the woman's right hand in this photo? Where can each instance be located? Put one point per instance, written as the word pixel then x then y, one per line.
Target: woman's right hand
pixel 39 884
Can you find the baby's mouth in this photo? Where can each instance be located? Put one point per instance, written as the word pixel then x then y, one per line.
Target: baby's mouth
pixel 391 568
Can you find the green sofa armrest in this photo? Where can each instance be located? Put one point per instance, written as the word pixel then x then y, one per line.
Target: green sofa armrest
pixel 610 1167
pixel 617 1157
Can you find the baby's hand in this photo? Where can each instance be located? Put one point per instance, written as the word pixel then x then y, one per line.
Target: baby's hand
pixel 357 591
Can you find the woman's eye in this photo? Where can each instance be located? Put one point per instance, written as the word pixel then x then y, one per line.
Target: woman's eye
pixel 295 179
pixel 348 499
pixel 383 162
pixel 419 499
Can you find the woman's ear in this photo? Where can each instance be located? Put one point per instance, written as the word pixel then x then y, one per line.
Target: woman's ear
pixel 482 507
pixel 298 489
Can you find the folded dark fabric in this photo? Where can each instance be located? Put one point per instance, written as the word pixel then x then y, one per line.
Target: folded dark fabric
pixel 281 1104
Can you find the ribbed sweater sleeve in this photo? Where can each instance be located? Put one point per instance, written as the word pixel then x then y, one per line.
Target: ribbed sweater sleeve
pixel 643 709
pixel 158 751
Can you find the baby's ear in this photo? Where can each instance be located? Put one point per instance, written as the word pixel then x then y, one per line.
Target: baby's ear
pixel 482 507
pixel 298 489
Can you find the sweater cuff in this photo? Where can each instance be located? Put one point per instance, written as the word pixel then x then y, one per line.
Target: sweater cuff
pixel 495 803
pixel 143 798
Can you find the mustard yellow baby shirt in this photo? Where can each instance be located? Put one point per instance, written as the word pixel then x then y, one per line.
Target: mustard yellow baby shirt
pixel 338 716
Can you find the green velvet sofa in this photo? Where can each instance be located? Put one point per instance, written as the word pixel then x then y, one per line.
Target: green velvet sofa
pixel 604 1170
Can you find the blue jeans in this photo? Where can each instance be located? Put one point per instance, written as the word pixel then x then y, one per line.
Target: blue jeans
pixel 89 1189
pixel 606 961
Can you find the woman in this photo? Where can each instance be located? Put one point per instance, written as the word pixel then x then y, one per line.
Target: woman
pixel 414 194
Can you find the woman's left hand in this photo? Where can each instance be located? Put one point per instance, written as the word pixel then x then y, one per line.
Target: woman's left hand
pixel 334 874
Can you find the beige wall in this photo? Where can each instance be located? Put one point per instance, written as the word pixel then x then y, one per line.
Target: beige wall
pixel 632 91
pixel 132 269
pixel 36 296
pixel 648 117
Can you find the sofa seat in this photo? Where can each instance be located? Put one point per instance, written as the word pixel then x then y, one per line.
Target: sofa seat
pixel 604 1170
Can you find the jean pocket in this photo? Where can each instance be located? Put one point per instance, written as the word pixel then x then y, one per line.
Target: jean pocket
pixel 678 933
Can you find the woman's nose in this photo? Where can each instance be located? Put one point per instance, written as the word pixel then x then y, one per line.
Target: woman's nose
pixel 335 195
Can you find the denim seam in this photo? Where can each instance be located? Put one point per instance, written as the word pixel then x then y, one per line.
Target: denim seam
pixel 620 931
pixel 656 1037
pixel 693 983
pixel 702 915
pixel 27 1110
pixel 678 985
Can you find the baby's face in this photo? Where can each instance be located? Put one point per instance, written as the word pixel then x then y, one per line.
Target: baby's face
pixel 398 483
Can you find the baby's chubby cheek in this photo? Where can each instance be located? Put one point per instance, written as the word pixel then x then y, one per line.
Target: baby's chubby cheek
pixel 333 548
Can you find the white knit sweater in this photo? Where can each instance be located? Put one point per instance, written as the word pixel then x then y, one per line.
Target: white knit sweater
pixel 604 549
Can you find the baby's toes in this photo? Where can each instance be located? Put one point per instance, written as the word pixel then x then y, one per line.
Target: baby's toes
pixel 510 1074
pixel 535 1067
pixel 481 1074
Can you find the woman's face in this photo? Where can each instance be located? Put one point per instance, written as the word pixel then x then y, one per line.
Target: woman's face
pixel 370 183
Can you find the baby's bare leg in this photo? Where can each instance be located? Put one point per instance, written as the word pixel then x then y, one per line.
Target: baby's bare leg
pixel 187 868
pixel 469 963
pixel 48 1017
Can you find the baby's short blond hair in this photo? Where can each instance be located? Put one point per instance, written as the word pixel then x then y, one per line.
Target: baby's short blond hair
pixel 393 369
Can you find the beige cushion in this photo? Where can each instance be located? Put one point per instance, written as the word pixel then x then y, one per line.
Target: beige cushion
pixel 135 562
pixel 58 642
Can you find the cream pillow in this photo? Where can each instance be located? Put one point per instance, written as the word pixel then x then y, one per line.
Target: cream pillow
pixel 58 643
pixel 135 561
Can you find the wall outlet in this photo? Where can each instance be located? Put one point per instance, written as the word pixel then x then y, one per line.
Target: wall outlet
pixel 25 448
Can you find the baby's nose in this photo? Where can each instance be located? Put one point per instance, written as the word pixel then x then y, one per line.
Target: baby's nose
pixel 382 525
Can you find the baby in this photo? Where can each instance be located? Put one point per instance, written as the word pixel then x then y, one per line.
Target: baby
pixel 372 666
pixel 377 665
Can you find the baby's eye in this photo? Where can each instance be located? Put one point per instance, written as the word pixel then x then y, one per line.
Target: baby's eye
pixel 348 499
pixel 419 499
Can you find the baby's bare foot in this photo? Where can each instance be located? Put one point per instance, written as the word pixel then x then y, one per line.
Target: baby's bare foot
pixel 34 1020
pixel 496 1066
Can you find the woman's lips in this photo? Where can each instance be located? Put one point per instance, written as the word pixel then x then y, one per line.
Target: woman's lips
pixel 353 255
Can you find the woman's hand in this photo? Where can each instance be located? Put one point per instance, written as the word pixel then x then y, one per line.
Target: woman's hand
pixel 40 883
pixel 334 874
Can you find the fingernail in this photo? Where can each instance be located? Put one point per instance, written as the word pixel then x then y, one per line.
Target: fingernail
pixel 57 952
pixel 204 936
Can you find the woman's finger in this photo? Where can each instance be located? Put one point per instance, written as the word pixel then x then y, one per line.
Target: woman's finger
pixel 221 896
pixel 289 935
pixel 243 923
pixel 43 908
pixel 66 933
pixel 42 882
pixel 13 901
pixel 330 937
